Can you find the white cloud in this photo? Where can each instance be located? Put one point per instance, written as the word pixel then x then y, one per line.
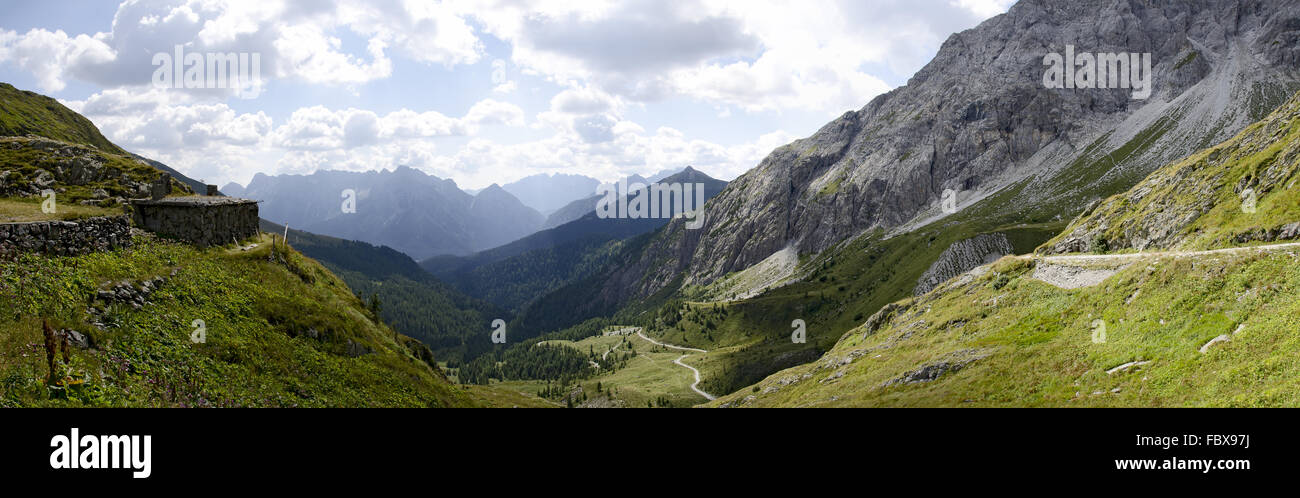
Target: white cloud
pixel 305 51
pixel 985 8
pixel 606 56
pixel 50 56
pixel 493 112
pixel 297 39
pixel 318 128
pixel 160 120
pixel 756 55
pixel 583 101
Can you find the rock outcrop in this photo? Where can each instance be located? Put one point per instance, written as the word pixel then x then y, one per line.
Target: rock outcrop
pixel 962 257
pixel 60 164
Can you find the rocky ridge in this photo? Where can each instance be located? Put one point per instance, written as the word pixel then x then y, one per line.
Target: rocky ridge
pixel 977 119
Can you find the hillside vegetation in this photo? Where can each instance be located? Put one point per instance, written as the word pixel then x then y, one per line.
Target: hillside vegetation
pixel 410 300
pixel 1198 329
pixel 280 330
pixel 1238 191
pixel 29 113
pixel 167 324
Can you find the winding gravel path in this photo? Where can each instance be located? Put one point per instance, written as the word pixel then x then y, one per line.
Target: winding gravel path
pixel 694 387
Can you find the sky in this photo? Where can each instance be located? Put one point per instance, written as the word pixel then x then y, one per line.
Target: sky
pixel 479 91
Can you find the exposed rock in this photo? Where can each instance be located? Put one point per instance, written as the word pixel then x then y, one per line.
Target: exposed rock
pixel 65 238
pixel 1128 366
pixel 963 256
pixel 64 164
pixel 1221 338
pixel 76 338
pixel 952 362
pixel 880 318
pixel 1073 277
pixel 133 294
pixel 355 349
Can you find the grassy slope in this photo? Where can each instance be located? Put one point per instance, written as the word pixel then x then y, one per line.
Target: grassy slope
pixel 257 353
pixel 1039 336
pixel 22 160
pixel 28 113
pixel 256 312
pixel 644 372
pixel 1202 195
pixel 413 302
pixel 1040 342
pixel 29 209
pixel 23 113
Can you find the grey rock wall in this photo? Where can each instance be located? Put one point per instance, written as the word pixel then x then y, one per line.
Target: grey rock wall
pixel 65 238
pixel 963 256
pixel 202 221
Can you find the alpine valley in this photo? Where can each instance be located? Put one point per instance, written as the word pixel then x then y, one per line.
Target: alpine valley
pixel 974 237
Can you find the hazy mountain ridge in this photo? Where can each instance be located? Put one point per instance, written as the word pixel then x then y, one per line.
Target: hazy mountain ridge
pixel 513 274
pixel 586 204
pixel 418 214
pixel 548 192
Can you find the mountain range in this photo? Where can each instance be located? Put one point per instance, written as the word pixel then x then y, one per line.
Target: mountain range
pixel 513 274
pixel 549 192
pixel 977 121
pixel 834 227
pixel 406 209
pixel 975 236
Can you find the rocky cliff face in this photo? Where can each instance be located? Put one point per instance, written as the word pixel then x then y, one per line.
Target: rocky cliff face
pixel 978 119
pixel 962 257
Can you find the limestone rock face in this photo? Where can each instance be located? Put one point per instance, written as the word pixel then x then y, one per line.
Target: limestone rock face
pixel 962 257
pixel 978 119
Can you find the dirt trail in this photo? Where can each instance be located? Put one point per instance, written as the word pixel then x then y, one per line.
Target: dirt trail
pixel 1085 258
pixel 1064 272
pixel 694 387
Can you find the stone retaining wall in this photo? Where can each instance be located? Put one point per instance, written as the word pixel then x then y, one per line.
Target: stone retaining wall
pixel 65 238
pixel 199 220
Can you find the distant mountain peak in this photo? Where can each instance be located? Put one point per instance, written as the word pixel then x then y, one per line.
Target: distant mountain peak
pixel 547 192
pixel 405 208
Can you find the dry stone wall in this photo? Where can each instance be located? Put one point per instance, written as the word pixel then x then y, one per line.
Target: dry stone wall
pixel 65 238
pixel 200 220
